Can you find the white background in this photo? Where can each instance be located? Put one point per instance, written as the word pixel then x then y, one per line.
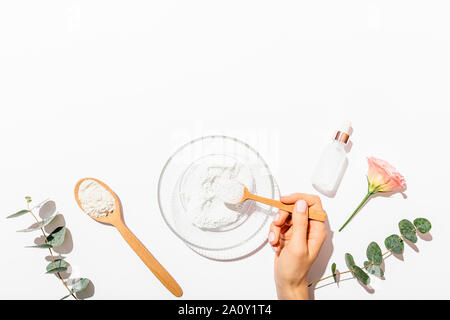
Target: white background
pixel 110 89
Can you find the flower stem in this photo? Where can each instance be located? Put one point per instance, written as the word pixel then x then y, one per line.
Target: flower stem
pixel 368 195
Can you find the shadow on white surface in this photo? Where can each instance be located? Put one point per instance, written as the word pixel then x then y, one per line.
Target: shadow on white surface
pixel 410 244
pixel 367 287
pixel 425 236
pixel 86 293
pixel 47 209
pixel 319 266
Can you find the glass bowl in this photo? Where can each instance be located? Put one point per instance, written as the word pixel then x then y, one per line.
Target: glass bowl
pixel 250 230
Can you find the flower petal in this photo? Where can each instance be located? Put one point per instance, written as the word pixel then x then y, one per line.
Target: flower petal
pixel 383 177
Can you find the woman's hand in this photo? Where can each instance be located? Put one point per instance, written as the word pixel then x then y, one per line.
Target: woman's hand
pixel 296 241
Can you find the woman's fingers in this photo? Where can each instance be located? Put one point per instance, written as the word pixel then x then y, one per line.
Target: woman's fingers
pixel 274 235
pixel 313 201
pixel 309 198
pixel 286 226
pixel 280 218
pixel 300 225
pixel 279 229
pixel 316 237
pixel 278 232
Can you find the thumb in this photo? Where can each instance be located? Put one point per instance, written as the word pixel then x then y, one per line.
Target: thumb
pixel 300 222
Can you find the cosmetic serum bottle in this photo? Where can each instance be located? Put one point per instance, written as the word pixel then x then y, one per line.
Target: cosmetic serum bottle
pixel 332 164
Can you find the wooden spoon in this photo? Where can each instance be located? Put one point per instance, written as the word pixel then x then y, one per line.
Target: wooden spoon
pixel 312 213
pixel 115 218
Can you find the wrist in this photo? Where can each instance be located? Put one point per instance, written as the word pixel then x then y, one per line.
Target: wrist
pixel 298 291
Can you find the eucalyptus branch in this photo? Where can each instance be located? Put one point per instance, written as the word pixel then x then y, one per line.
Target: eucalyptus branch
pixel 394 243
pixel 53 240
pixel 58 274
pixel 339 273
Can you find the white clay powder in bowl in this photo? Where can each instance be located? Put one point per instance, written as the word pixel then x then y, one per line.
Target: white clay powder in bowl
pixel 208 187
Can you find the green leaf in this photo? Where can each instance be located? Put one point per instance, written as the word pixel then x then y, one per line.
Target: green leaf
pixel 374 254
pixel 80 285
pixel 349 261
pixel 394 243
pixel 18 214
pixel 42 246
pixel 406 224
pixel 409 235
pixel 408 230
pixel 59 266
pixel 374 269
pixel 56 238
pixel 55 270
pixel 39 225
pixel 422 224
pixel 361 275
pixel 333 270
pixel 28 198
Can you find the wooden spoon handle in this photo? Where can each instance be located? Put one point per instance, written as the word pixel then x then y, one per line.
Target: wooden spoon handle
pixel 153 264
pixel 312 213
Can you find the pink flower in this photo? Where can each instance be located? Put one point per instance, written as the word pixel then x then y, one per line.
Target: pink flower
pixel 382 177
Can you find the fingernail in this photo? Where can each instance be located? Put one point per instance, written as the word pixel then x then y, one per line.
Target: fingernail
pixel 276 217
pixel 300 206
pixel 271 236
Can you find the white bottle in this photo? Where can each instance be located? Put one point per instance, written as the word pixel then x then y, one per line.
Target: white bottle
pixel 332 164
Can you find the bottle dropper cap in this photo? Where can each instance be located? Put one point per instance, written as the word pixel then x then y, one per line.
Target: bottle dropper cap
pixel 344 134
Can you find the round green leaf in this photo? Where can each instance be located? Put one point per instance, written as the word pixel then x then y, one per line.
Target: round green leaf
pixel 422 224
pixel 333 270
pixel 409 235
pixel 349 261
pixel 55 270
pixel 408 230
pixel 406 224
pixel 374 269
pixel 394 243
pixel 18 214
pixel 374 254
pixel 56 238
pixel 361 275
pixel 59 266
pixel 80 285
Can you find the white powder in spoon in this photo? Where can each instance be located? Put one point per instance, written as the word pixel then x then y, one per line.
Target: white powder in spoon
pixel 95 200
pixel 207 190
pixel 230 191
